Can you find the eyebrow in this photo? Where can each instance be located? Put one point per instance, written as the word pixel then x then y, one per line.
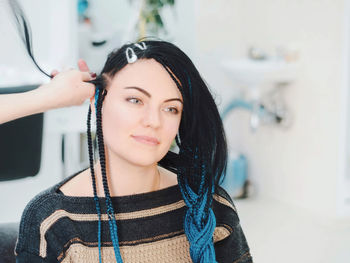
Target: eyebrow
pixel 149 95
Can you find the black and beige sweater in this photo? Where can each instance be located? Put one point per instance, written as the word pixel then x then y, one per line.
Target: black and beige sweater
pixel 59 228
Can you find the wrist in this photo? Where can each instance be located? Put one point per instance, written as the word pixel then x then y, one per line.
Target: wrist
pixel 45 96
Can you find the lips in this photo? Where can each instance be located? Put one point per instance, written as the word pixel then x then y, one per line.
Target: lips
pixel 146 139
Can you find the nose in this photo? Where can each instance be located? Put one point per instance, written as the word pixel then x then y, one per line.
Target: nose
pixel 151 117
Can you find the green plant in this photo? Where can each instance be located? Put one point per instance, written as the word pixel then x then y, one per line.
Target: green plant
pixel 150 20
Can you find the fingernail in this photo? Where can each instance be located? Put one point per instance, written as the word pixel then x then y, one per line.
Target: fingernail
pixel 93 74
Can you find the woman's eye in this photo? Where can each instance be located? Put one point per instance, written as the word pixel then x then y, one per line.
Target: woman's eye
pixel 174 110
pixel 133 100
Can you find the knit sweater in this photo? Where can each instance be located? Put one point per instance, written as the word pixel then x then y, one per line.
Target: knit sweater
pixel 59 228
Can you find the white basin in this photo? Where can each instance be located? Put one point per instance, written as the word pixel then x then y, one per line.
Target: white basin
pixel 255 73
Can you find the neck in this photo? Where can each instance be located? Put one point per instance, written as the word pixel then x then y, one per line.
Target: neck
pixel 125 178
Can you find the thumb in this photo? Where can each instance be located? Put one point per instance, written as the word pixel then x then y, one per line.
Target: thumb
pixel 83 66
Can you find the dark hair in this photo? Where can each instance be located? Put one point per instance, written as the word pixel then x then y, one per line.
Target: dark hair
pixel 202 158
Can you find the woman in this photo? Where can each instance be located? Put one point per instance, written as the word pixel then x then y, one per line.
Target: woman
pixel 146 203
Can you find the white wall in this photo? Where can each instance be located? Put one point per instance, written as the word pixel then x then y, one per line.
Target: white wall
pixel 299 165
pixel 343 193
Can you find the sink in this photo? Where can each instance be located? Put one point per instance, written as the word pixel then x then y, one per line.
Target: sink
pixel 260 73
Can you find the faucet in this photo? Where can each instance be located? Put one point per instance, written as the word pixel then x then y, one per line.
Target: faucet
pixel 276 113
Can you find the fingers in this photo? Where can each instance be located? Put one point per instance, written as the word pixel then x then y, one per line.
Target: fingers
pixel 83 66
pixel 87 76
pixel 89 87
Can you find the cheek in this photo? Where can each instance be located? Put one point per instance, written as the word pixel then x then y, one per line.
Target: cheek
pixel 170 130
pixel 117 124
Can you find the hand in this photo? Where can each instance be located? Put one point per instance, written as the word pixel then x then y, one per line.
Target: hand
pixel 83 67
pixel 69 87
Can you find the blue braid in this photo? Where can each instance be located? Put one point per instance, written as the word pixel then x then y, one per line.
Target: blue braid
pixel 98 208
pixel 110 211
pixel 97 93
pixel 97 203
pixel 199 233
pixel 113 229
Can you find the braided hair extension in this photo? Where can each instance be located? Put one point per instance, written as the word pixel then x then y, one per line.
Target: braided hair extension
pixel 99 82
pixel 97 203
pixel 99 96
pixel 109 205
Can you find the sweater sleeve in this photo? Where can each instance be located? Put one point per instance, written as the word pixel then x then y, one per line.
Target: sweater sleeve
pixel 234 248
pixel 27 246
pixel 27 257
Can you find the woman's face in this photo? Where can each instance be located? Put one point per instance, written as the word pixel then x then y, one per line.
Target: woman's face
pixel 142 100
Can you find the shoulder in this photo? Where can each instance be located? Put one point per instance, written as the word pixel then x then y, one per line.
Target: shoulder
pixel 35 212
pixel 225 213
pixel 222 202
pixel 41 204
pixel 222 197
pixel 44 203
pixel 233 246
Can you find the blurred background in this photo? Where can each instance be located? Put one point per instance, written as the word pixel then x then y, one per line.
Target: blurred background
pixel 279 73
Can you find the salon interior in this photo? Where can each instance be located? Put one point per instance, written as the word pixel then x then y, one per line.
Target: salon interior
pixel 279 72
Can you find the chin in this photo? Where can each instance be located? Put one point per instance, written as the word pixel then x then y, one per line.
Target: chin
pixel 137 157
pixel 143 162
pixel 139 154
pixel 141 158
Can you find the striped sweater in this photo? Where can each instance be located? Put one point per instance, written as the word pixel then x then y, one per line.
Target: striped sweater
pixel 59 228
